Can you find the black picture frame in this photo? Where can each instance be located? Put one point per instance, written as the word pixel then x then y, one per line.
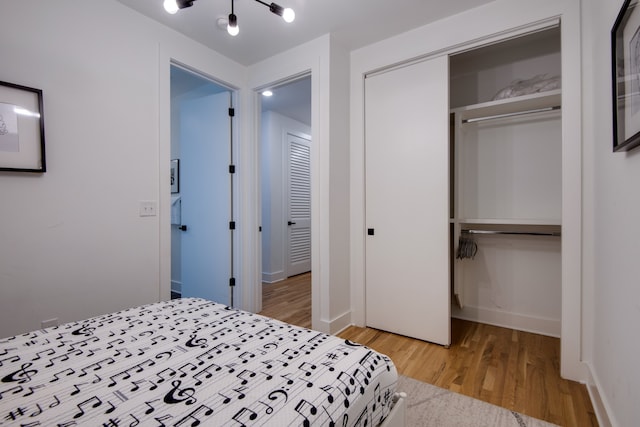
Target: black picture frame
pixel 625 53
pixel 175 176
pixel 22 147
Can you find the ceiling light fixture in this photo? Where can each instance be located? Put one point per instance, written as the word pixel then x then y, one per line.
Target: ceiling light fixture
pixel 267 93
pixel 287 14
pixel 232 25
pixel 172 6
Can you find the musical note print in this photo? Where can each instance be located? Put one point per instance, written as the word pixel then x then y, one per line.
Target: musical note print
pixel 244 416
pixel 13 390
pixel 177 394
pixel 196 416
pixel 10 360
pixel 91 403
pixel 306 409
pixel 22 375
pixel 196 342
pixel 191 362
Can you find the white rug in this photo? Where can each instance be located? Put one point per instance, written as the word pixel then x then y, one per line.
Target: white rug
pixel 431 406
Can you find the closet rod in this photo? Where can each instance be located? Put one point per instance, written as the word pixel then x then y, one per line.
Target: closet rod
pixel 505 115
pixel 525 233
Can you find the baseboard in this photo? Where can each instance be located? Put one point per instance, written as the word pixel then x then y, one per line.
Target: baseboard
pixel 341 322
pixel 335 326
pixel 537 325
pixel 597 401
pixel 278 276
pixel 176 286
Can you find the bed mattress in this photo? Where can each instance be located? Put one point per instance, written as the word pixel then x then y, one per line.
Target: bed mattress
pixel 188 362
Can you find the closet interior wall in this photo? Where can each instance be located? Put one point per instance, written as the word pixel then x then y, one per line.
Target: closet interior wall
pixel 506 198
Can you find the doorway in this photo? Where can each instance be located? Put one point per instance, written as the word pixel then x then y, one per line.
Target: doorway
pixel 285 139
pixel 202 192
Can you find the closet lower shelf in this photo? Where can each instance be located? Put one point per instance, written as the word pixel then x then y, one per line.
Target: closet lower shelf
pixel 510 226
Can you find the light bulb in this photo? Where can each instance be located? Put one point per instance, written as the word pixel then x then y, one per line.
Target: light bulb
pixel 233 30
pixel 288 15
pixel 171 6
pixel 232 26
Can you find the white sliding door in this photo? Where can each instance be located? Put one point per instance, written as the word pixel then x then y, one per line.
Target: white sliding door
pixel 407 200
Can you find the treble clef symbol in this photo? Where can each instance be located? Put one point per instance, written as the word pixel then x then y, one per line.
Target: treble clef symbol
pixel 21 376
pixel 177 395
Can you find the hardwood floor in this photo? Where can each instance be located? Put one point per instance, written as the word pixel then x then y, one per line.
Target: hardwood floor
pixel 513 369
pixel 289 300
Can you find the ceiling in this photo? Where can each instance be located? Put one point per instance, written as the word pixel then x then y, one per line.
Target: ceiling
pixel 353 23
pixel 292 100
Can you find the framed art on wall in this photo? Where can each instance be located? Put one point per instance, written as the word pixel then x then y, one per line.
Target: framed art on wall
pixel 175 176
pixel 21 129
pixel 625 53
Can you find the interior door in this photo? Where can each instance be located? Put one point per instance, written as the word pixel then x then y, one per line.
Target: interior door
pixel 206 197
pixel 299 205
pixel 407 201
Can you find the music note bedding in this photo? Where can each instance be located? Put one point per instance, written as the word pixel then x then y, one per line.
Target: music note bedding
pixel 187 362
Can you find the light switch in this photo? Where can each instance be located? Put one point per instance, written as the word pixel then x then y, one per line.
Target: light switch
pixel 148 207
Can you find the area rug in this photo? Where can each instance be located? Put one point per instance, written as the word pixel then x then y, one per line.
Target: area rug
pixel 431 406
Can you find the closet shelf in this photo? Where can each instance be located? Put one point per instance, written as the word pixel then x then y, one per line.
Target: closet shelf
pixel 510 221
pixel 517 105
pixel 514 226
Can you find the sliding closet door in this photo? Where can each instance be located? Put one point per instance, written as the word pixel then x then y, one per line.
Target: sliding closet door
pixel 407 199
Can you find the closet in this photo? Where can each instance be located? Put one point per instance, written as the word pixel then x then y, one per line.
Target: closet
pixel 506 199
pixel 463 179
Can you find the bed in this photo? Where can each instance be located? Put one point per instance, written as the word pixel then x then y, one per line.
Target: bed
pixel 190 362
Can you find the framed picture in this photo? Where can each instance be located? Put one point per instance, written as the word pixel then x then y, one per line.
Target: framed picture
pixel 175 176
pixel 625 53
pixel 21 129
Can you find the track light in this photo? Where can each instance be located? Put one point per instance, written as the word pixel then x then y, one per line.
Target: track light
pixel 172 6
pixel 287 14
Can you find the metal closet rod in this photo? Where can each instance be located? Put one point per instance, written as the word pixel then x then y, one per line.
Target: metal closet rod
pixel 505 115
pixel 525 233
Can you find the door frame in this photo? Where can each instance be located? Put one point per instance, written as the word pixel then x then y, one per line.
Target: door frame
pixel 201 63
pixel 232 151
pixel 369 60
pixel 283 74
pixel 257 95
pixel 328 64
pixel 312 58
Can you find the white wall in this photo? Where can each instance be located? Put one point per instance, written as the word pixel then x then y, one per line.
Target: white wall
pixel 72 244
pixel 612 204
pixel 481 25
pixel 329 67
pixel 339 292
pixel 274 129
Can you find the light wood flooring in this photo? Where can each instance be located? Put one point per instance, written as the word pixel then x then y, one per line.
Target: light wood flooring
pixel 513 369
pixel 289 300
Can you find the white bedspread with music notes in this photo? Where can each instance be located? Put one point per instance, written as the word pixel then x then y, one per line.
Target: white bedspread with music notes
pixel 190 362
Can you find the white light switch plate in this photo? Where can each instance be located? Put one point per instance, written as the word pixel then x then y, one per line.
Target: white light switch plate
pixel 148 208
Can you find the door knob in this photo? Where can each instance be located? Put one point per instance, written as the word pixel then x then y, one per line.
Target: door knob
pixel 290 223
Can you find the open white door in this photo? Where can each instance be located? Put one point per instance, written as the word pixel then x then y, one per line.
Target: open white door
pixel 299 205
pixel 206 197
pixel 407 201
